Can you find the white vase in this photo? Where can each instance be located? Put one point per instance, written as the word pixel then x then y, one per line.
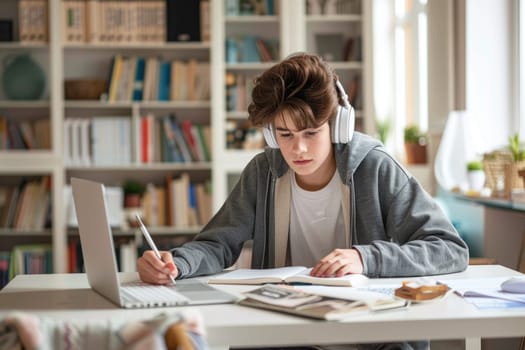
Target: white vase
pixel 476 179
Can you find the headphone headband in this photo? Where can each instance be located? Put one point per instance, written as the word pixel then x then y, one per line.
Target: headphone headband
pixel 341 125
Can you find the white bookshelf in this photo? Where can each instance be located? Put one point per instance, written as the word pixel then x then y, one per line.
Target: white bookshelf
pixel 291 26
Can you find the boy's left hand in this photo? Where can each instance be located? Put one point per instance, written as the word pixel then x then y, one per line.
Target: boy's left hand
pixel 338 263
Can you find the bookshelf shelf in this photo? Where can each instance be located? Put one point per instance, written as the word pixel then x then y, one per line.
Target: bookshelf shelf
pixel 24 104
pixel 172 46
pixel 333 18
pixel 166 231
pixel 347 65
pixel 249 65
pixel 28 233
pixel 27 161
pixel 241 115
pixel 79 104
pixel 23 46
pixel 252 19
pixel 152 167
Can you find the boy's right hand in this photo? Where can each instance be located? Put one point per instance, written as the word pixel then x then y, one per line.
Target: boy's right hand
pixel 152 270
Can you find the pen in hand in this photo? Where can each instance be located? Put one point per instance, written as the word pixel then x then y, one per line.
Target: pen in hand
pixel 152 245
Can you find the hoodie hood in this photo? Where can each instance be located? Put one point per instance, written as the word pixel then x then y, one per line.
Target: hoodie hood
pixel 355 151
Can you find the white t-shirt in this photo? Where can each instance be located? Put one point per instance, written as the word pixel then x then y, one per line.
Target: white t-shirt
pixel 316 222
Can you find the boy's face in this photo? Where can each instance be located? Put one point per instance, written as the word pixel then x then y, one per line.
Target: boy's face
pixel 308 152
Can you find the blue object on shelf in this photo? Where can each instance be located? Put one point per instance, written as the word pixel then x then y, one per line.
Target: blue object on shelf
pixel 23 78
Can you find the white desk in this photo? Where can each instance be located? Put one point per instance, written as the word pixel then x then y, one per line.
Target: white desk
pixel 67 296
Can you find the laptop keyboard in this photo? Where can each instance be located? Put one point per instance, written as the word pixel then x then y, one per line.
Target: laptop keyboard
pixel 138 294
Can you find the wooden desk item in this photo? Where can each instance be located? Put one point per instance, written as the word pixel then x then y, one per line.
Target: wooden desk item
pixel 406 291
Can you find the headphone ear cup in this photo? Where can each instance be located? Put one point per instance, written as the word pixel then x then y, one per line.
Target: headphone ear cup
pixel 269 136
pixel 344 122
pixel 342 126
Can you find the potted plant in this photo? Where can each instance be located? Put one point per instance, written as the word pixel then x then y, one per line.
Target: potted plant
pixel 475 175
pixel 415 145
pixel 383 128
pixel 133 191
pixel 512 178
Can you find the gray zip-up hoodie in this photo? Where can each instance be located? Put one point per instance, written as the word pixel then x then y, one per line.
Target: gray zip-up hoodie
pixel 397 227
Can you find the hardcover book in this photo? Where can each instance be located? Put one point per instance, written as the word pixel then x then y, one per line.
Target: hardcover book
pixel 289 274
pixel 302 303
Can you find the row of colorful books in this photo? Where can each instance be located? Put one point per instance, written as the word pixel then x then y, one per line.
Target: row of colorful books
pixel 97 141
pixel 26 134
pixel 169 139
pixel 102 141
pixel 153 79
pixel 239 88
pixel 26 205
pixel 251 48
pixel 126 250
pixel 250 7
pixel 177 201
pixel 25 259
pixel 151 21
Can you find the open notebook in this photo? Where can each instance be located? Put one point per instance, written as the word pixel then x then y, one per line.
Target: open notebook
pixel 101 264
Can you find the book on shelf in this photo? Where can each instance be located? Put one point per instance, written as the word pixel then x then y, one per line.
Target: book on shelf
pixel 78 141
pixel 249 50
pixel 205 19
pixel 298 302
pixel 30 259
pixel 93 21
pixel 74 21
pixel 25 134
pixel 154 205
pixel 116 71
pixel 170 149
pixel 183 20
pixel 180 140
pixel 138 82
pixel 146 138
pixel 150 75
pixel 110 140
pixel 164 81
pixel 5 258
pixel 203 199
pixel 4 134
pixel 25 206
pixel 187 126
pixel 33 21
pixel 289 275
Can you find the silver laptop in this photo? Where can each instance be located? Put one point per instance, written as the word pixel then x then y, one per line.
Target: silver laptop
pixel 101 265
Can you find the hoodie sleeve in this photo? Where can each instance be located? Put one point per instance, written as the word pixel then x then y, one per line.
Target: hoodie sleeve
pixel 409 234
pixel 220 242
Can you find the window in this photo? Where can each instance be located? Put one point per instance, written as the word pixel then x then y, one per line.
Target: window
pixel 521 68
pixel 400 63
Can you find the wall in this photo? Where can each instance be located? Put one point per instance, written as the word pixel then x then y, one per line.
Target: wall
pixel 489 66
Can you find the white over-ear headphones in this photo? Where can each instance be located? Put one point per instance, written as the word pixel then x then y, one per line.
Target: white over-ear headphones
pixel 341 125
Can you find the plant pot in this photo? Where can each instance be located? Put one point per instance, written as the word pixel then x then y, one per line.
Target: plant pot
pixel 415 153
pixel 132 200
pixel 476 180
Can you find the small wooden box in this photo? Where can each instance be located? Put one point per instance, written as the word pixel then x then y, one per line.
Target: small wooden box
pixel 84 89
